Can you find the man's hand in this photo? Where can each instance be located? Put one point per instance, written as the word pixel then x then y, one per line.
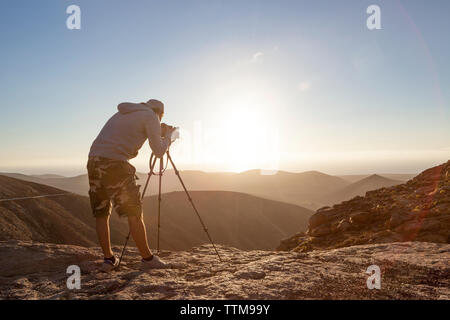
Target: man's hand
pixel 163 129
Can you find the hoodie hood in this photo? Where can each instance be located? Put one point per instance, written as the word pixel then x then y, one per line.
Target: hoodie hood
pixel 128 107
pixel 155 105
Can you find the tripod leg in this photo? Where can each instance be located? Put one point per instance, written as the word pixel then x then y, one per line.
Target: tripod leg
pixel 152 165
pixel 161 166
pixel 192 203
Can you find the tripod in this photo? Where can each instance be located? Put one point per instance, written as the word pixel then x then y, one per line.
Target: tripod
pixel 152 163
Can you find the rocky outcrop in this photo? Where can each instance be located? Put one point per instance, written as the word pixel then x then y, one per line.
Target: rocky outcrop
pixel 418 210
pixel 410 270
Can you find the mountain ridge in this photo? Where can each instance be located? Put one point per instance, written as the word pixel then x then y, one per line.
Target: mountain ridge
pixel 63 219
pixel 360 187
pixel 310 189
pixel 235 219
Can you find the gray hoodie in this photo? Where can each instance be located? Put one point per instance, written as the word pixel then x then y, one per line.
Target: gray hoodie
pixel 126 131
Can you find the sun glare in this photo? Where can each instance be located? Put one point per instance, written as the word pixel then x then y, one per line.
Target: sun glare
pixel 245 136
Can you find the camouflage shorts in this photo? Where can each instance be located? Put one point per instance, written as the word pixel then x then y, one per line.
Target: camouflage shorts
pixel 112 181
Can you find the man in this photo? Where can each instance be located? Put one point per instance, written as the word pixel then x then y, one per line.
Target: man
pixel 112 177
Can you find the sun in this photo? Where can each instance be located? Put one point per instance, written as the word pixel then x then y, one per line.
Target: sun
pixel 243 135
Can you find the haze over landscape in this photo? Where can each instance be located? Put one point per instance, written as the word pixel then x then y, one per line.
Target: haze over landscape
pixel 310 189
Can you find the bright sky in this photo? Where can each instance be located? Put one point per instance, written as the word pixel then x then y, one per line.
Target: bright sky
pixel 291 85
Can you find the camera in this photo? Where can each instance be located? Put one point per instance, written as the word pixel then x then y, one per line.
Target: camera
pixel 172 132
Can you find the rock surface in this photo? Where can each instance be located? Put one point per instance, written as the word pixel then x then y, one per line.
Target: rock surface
pixel 409 270
pixel 418 210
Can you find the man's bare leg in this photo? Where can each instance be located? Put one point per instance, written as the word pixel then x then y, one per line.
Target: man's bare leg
pixel 102 226
pixel 137 228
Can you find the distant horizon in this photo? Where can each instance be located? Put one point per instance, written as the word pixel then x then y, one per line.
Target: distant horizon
pixel 69 172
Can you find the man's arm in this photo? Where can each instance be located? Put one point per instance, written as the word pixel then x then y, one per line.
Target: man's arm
pixel 157 143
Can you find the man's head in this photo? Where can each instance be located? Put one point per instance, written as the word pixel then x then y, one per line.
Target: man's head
pixel 157 106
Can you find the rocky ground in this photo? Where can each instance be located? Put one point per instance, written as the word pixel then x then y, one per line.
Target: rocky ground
pixel 418 210
pixel 409 270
